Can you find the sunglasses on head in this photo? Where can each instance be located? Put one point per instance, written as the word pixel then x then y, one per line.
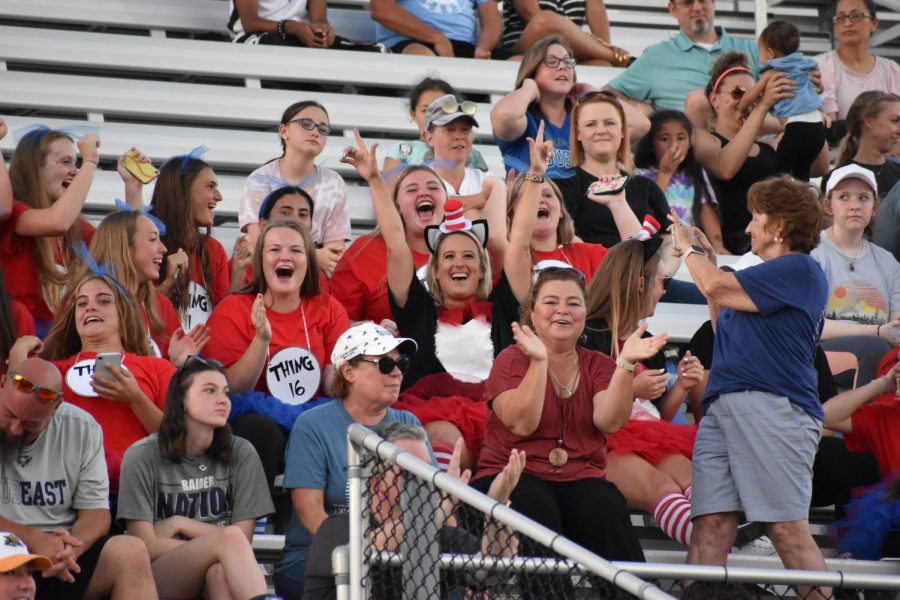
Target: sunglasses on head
pixel 27 387
pixel 207 362
pixel 309 125
pixel 386 364
pixel 594 93
pixel 572 271
pixel 451 106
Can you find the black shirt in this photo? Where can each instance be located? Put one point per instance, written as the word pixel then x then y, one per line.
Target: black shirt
pixel 886 176
pixel 594 222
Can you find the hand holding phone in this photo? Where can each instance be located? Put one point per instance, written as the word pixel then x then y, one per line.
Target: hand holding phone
pixel 103 361
pixel 142 169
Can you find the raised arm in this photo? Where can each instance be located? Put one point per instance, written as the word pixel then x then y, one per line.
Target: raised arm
pixel 134 188
pixel 244 373
pixel 58 218
pixel 840 409
pixel 517 260
pixel 508 118
pixel 6 193
pixel 612 406
pixel 400 265
pixel 520 409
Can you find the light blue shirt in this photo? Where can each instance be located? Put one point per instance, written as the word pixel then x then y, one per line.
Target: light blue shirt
pixel 805 98
pixel 666 72
pixel 457 19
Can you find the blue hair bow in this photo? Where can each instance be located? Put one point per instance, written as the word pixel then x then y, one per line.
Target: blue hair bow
pixel 104 270
pixel 122 205
pixel 195 154
pixel 39 129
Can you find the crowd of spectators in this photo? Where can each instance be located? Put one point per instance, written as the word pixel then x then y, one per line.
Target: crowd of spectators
pixel 493 322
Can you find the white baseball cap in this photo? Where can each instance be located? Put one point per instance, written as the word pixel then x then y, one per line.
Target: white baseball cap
pixel 368 338
pixel 851 171
pixel 14 554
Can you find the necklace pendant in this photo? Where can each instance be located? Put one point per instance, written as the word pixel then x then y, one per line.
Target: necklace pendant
pixel 558 457
pixel 851 266
pixel 202 466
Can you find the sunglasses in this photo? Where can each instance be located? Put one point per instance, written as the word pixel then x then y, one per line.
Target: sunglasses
pixel 207 362
pixel 27 387
pixel 386 364
pixel 594 93
pixel 467 107
pixel 309 125
pixel 553 61
pixel 572 271
pixel 737 92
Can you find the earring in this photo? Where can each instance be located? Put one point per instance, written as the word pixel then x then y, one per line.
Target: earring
pixel 778 239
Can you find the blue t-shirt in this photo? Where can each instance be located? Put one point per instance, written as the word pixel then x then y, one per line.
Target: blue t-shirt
pixel 457 19
pixel 773 350
pixel 666 72
pixel 516 155
pixel 316 458
pixel 805 98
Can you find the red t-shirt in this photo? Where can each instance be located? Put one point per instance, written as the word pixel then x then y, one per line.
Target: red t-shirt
pixel 18 255
pixel 170 321
pixel 581 255
pixel 203 295
pixel 359 281
pixel 584 443
pixel 231 330
pixel 121 427
pixel 22 319
pixel 875 430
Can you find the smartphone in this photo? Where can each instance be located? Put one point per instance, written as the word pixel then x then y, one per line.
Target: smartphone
pixel 608 186
pixel 144 172
pixel 102 362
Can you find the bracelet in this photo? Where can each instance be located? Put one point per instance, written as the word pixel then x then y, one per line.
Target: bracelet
pixel 878 331
pixel 626 365
pixel 534 177
pixel 96 163
pixel 281 29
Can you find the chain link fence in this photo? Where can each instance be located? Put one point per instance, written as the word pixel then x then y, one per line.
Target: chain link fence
pixel 416 533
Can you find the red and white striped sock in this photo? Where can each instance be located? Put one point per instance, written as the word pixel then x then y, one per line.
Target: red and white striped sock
pixel 443 454
pixel 688 491
pixel 673 515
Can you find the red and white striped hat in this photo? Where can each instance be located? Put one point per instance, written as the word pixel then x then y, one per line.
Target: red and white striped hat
pixel 455 221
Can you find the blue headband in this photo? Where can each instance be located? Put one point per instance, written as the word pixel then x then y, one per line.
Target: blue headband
pixel 124 206
pixel 39 129
pixel 194 154
pixel 104 270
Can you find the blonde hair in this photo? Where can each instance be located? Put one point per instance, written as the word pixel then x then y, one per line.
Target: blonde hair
pixel 576 150
pixel 614 292
pixel 484 284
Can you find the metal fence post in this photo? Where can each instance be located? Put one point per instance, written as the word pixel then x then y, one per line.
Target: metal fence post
pixel 355 485
pixel 340 568
pixel 421 567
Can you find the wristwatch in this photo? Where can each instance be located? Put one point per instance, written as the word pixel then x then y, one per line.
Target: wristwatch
pixel 624 364
pixel 694 249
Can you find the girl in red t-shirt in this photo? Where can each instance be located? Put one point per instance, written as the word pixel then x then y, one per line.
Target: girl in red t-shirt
pixel 37 234
pixel 98 316
pixel 129 242
pixel 184 199
pixel 275 340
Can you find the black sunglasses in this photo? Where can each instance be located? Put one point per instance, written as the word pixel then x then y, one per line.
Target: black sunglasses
pixel 594 93
pixel 309 125
pixel 386 364
pixel 207 362
pixel 736 92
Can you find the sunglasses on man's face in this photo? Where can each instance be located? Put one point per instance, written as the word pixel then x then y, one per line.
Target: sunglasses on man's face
pixel 27 387
pixel 386 364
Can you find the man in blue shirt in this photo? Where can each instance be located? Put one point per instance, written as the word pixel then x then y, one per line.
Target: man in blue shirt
pixel 666 73
pixel 439 27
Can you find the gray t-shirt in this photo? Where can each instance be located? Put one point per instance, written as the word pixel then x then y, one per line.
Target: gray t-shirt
pixel 869 293
pixel 153 488
pixel 62 472
pixel 886 223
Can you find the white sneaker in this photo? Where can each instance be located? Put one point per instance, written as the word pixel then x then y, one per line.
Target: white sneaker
pixel 761 546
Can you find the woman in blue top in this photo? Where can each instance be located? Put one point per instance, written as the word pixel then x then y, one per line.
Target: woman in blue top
pixel 546 89
pixel 763 419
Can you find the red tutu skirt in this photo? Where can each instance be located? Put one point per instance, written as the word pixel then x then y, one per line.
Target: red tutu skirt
pixel 439 397
pixel 653 439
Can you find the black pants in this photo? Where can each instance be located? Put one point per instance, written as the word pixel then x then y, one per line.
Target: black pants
pixel 799 147
pixel 836 471
pixel 53 588
pixel 591 512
